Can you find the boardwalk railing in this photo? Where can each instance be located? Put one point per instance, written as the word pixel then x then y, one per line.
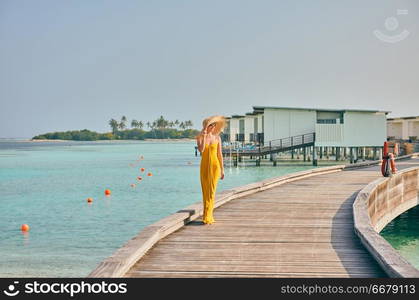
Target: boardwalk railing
pixel 377 205
pixel 292 141
pixel 289 142
pixel 277 145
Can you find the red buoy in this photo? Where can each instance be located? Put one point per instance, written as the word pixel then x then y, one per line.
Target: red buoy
pixel 385 170
pixel 387 162
pixel 89 200
pixel 149 174
pixel 107 192
pixel 142 169
pixel 392 163
pixel 25 227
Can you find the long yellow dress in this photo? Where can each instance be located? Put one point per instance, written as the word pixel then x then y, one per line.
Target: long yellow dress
pixel 210 173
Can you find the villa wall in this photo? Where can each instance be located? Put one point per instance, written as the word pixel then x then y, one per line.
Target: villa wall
pixel 283 123
pixel 364 129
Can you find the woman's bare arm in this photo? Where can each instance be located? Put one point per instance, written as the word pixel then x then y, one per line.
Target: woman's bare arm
pixel 201 140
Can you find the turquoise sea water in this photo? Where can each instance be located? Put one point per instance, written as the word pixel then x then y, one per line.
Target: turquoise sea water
pixel 46 185
pixel 403 234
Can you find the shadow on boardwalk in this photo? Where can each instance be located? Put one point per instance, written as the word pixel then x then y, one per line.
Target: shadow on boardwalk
pixel 346 248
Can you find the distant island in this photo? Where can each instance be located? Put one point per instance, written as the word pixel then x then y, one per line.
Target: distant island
pixel 158 129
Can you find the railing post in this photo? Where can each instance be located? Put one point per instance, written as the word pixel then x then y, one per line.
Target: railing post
pixel 270 145
pixel 292 141
pixel 302 142
pixel 280 143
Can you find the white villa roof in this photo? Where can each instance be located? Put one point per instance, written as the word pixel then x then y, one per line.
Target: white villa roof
pixel 259 108
pixel 403 118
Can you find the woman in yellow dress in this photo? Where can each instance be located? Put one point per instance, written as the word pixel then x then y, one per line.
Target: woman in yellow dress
pixel 211 167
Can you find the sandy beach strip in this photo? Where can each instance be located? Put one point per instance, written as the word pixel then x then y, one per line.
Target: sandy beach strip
pixel 45 140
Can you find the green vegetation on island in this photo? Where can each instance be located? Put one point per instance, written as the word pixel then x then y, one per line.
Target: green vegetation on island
pixel 158 129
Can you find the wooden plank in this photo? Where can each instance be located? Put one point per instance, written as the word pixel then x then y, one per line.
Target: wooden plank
pixel 141 274
pixel 289 257
pixel 255 269
pixel 265 261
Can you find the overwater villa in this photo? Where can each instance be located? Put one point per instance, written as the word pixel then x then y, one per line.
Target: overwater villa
pixel 315 130
pixel 404 128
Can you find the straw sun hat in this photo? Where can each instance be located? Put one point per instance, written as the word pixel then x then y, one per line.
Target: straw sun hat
pixel 219 121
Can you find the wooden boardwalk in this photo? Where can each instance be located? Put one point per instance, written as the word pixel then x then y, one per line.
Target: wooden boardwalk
pixel 299 229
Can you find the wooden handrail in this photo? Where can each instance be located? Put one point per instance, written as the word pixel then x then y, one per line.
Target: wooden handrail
pixel 287 142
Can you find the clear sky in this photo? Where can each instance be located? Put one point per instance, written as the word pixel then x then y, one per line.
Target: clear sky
pixel 70 65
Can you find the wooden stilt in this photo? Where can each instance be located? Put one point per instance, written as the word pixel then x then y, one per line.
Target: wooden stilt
pixel 314 156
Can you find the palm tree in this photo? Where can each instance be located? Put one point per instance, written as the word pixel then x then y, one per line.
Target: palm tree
pixel 148 124
pixel 114 125
pixel 141 124
pixel 161 123
pixel 153 126
pixel 135 124
pixel 188 124
pixel 177 122
pixel 122 123
pixel 121 126
pixel 182 125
